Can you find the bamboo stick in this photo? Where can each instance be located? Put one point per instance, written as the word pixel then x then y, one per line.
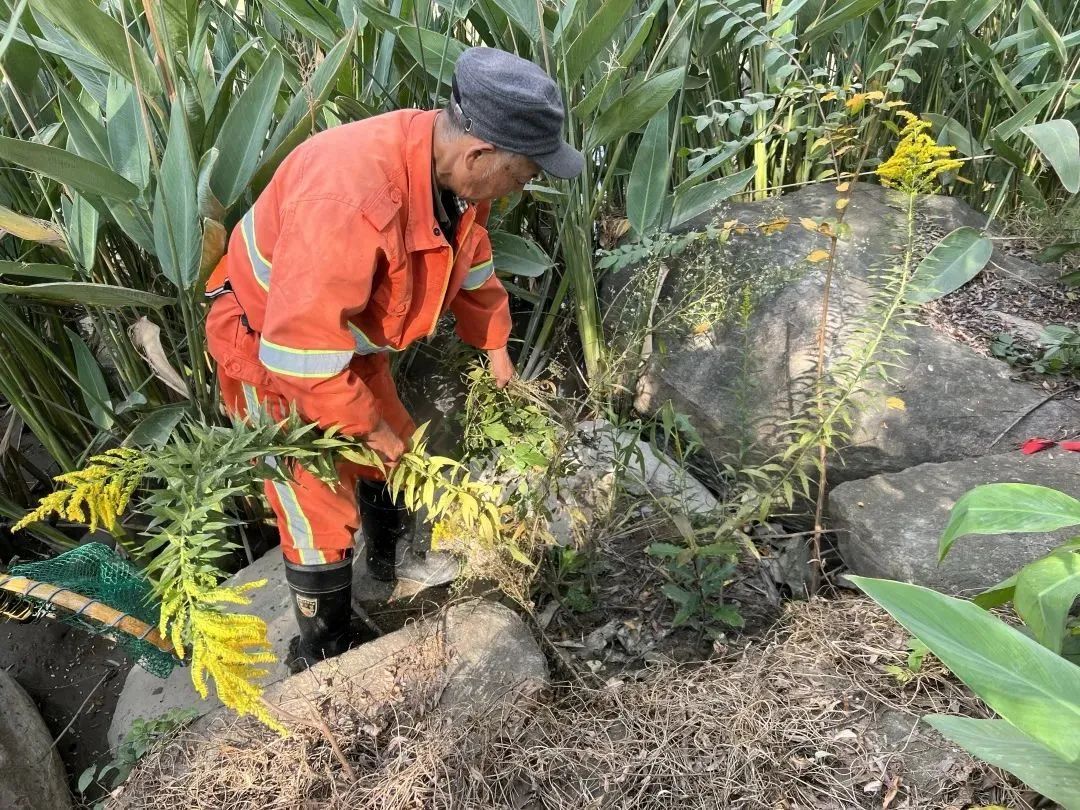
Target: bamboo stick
pixel 85 606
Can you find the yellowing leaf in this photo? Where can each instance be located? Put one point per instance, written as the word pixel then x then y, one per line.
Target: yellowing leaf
pixel 830 96
pixel 842 203
pixel 843 187
pixel 896 404
pixel 775 225
pixel 818 256
pixel 701 328
pixel 856 103
pixel 31 229
pixel 808 223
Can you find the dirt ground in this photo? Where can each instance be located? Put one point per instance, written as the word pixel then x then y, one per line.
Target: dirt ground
pixel 74 679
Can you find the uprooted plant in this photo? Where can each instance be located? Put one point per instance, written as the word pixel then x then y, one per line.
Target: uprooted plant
pixel 185 488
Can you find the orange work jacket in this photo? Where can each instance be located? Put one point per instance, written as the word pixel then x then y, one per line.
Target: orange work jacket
pixel 342 255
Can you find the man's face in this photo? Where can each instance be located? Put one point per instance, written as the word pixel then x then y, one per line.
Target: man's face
pixel 485 173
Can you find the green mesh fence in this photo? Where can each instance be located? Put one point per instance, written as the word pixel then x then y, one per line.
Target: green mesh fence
pixel 94 570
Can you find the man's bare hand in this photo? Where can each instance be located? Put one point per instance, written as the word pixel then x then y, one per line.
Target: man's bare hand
pixel 384 441
pixel 502 368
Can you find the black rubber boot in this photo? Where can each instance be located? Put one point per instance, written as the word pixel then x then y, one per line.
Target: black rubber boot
pixel 385 523
pixel 322 602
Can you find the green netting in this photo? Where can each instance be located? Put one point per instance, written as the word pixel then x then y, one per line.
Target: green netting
pixel 94 570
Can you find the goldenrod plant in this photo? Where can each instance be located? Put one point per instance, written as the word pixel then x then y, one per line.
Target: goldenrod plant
pixel 185 488
pixel 917 162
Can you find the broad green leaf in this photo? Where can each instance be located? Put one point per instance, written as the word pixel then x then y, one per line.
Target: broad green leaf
pixel 1053 38
pixel 840 14
pixel 12 26
pixel 92 382
pixel 177 236
pixel 524 14
pixel 973 14
pixel 1027 114
pixel 1000 744
pixel 705 196
pixel 310 18
pixel 31 229
pixel 104 37
pixel 179 23
pixel 635 109
pixel 432 51
pixel 209 205
pixel 156 427
pixel 997 595
pixel 1060 145
pixel 637 37
pixel 299 115
pixel 31 270
pixel 129 152
pixel 86 134
pixel 134 220
pixel 65 167
pixel 647 187
pixel 86 294
pixel 243 134
pixel 593 41
pixel 517 256
pixel 1045 592
pixel 953 262
pixel 952 132
pixel 1034 689
pixel 1008 508
pixel 81 220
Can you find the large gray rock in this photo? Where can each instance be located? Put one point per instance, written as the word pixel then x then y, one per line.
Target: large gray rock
pixel 945 401
pixel 889 525
pixel 473 657
pixel 31 774
pixel 147 696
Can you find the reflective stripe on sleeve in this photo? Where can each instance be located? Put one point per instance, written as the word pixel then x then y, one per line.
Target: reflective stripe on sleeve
pixel 259 264
pixel 478 275
pixel 311 363
pixel 364 344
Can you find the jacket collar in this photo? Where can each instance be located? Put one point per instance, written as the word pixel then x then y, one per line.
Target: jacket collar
pixel 421 225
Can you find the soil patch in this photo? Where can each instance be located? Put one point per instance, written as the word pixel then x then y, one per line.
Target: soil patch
pixel 63 668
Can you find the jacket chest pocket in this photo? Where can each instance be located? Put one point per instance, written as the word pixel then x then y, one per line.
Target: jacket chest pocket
pixel 392 296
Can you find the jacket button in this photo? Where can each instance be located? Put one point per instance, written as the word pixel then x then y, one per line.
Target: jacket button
pixel 395 195
pixel 400 309
pixel 233 366
pixel 437 231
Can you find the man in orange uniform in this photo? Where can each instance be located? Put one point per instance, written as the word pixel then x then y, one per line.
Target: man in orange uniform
pixel 364 237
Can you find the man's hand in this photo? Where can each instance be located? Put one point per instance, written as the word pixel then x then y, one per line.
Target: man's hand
pixel 384 441
pixel 502 368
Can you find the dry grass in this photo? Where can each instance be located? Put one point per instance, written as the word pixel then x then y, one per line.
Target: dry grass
pixel 786 724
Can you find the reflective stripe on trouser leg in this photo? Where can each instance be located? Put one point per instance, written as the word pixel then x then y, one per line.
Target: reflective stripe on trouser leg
pixel 293 524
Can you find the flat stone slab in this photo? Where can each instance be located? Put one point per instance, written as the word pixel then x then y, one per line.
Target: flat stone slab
pixel 147 696
pixel 889 525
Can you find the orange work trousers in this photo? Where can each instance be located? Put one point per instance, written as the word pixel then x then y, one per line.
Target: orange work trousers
pixel 317 522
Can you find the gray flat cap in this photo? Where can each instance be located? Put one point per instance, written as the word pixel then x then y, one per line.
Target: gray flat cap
pixel 511 103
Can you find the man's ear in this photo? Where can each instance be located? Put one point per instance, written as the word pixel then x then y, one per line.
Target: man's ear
pixel 475 151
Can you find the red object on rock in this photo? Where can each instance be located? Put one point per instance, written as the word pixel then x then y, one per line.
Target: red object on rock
pixel 1074 446
pixel 1035 445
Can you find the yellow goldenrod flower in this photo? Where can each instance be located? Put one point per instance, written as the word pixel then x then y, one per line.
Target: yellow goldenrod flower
pixel 918 160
